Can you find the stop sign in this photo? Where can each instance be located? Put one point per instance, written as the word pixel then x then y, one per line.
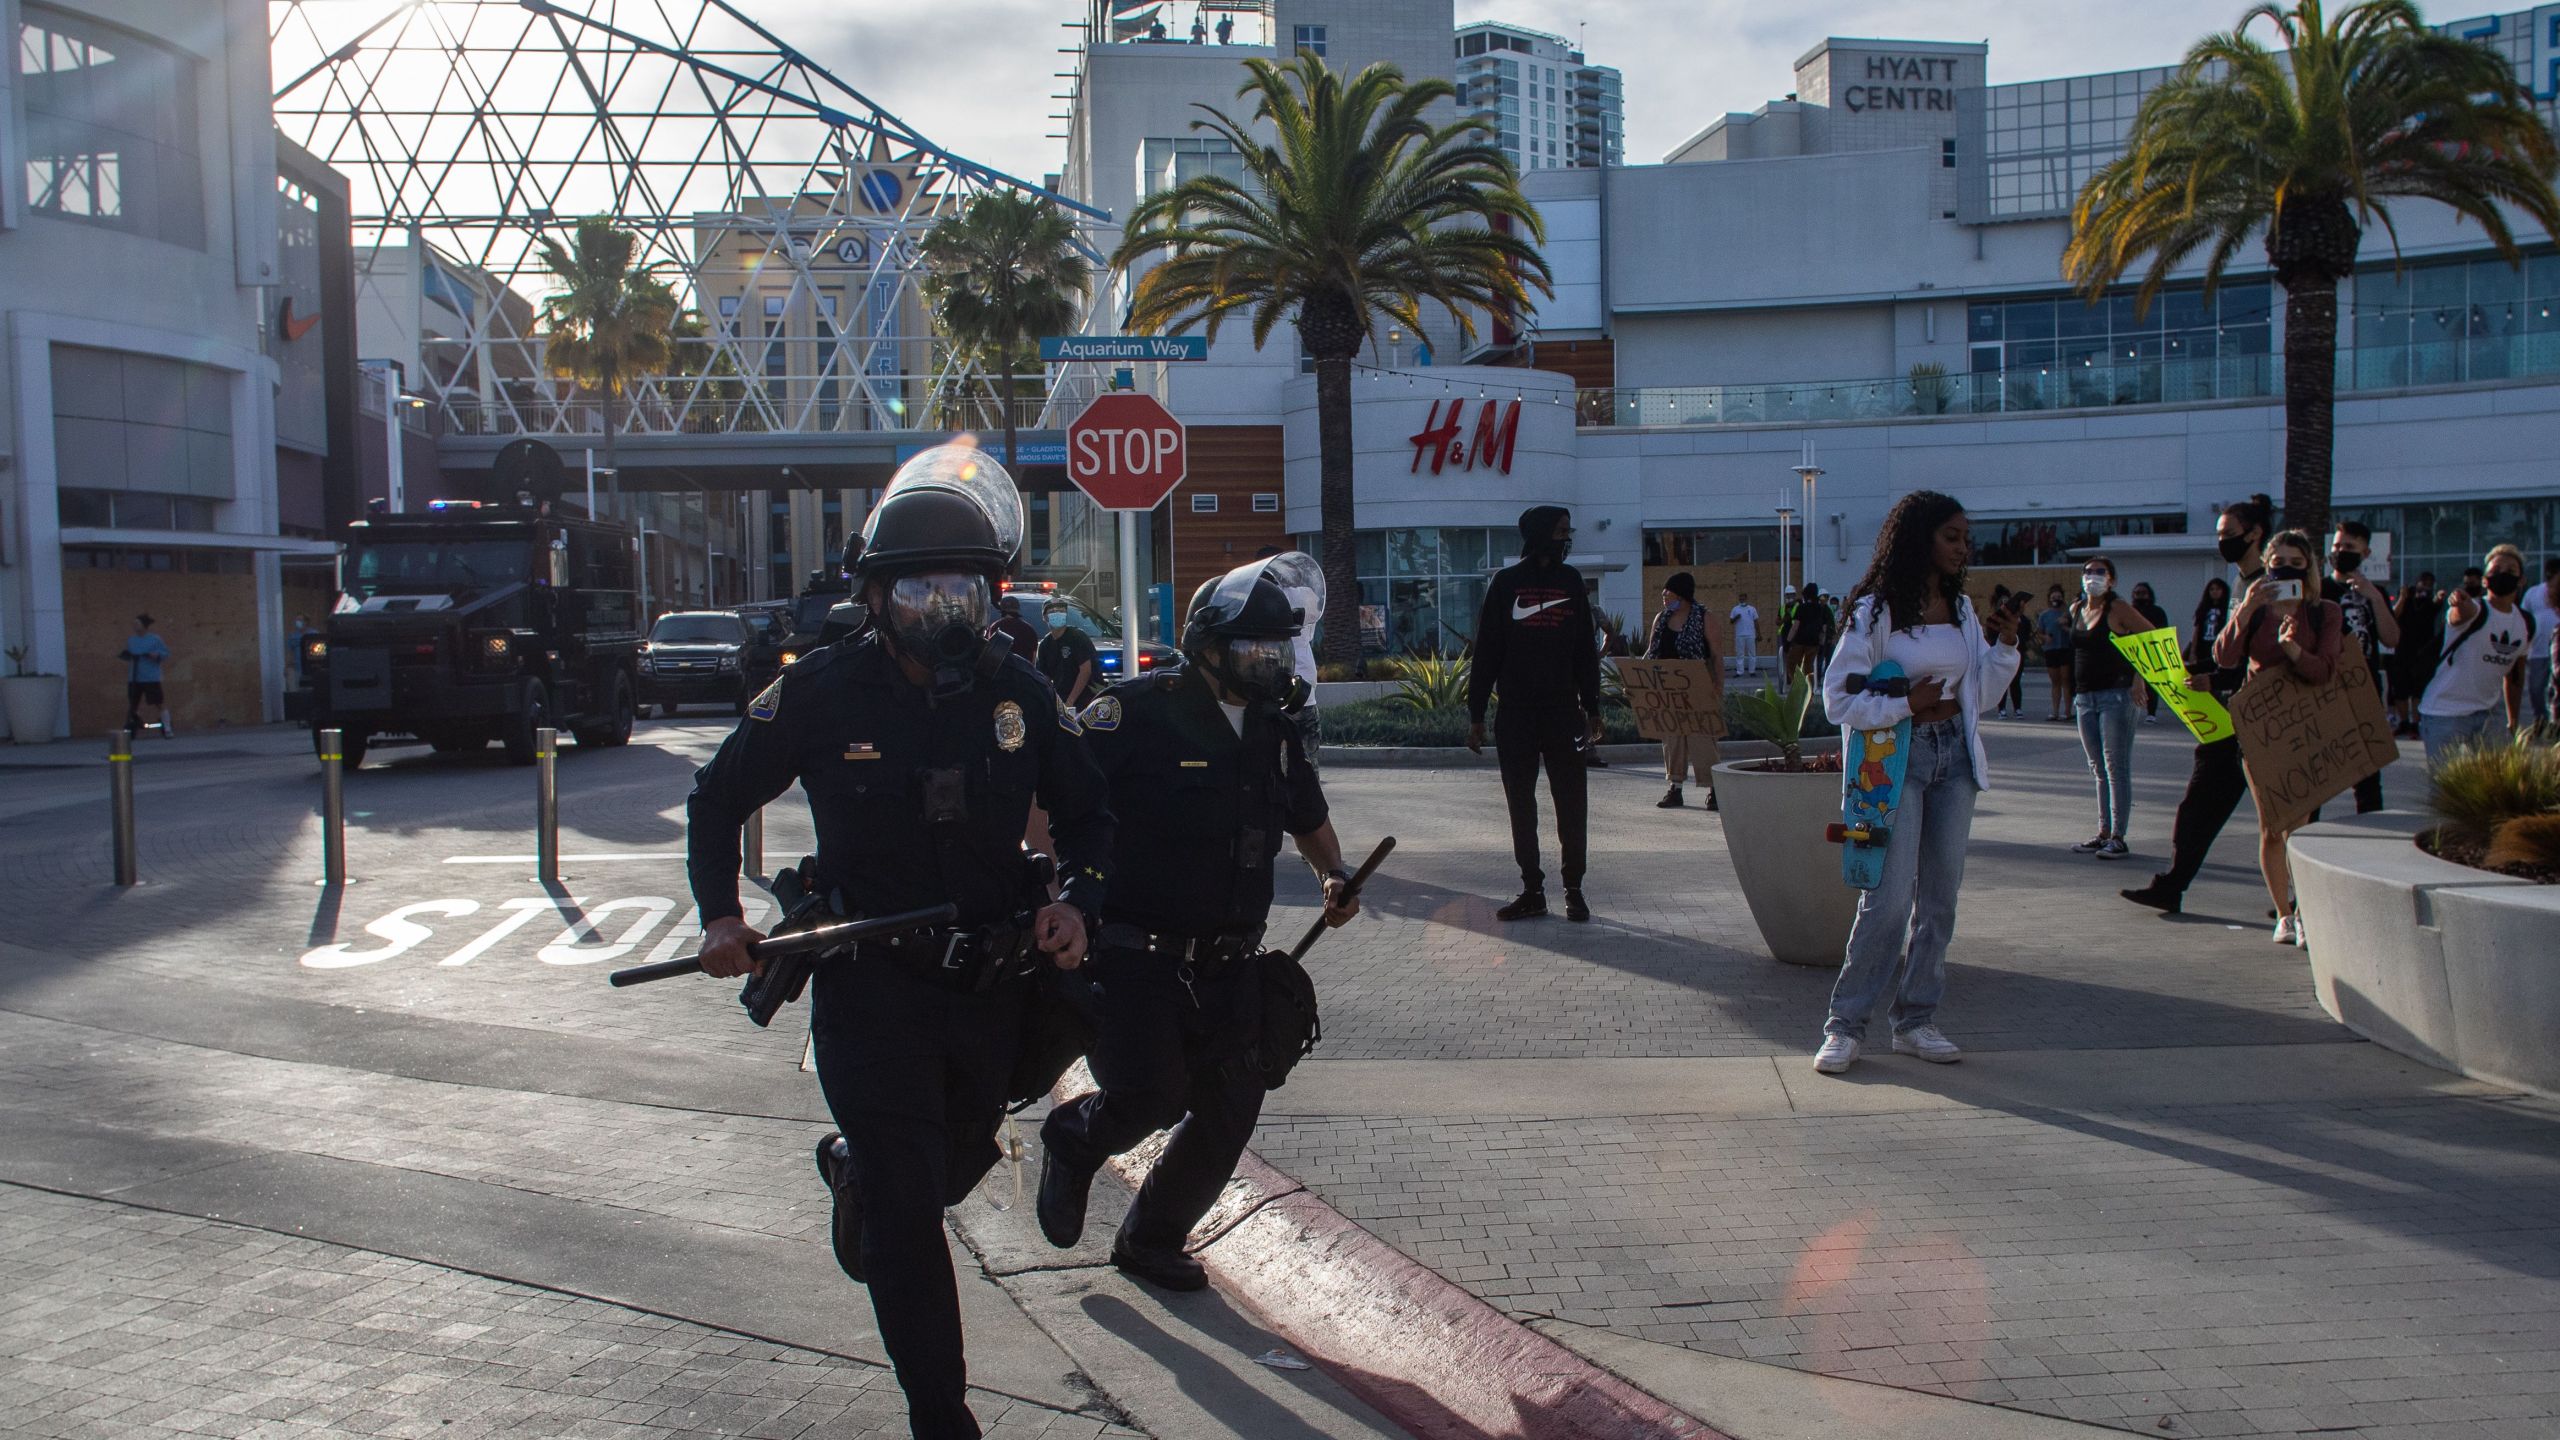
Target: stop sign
pixel 1126 451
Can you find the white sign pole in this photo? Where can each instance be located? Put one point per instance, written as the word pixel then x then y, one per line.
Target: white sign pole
pixel 1129 595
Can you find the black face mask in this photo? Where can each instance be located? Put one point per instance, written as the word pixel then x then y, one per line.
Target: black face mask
pixel 2346 562
pixel 2503 584
pixel 2233 547
pixel 2288 572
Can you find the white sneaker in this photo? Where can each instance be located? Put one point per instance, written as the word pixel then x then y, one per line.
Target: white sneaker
pixel 1838 1053
pixel 2288 931
pixel 1929 1043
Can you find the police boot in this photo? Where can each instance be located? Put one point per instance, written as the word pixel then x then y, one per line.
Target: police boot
pixel 1169 1268
pixel 1064 1188
pixel 835 1166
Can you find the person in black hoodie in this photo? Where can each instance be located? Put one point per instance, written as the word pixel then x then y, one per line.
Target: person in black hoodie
pixel 1534 648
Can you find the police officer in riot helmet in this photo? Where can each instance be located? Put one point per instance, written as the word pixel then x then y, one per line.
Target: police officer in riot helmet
pixel 922 746
pixel 1207 771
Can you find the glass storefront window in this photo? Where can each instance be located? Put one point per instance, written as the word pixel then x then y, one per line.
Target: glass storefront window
pixel 1421 588
pixel 2442 538
pixel 2043 539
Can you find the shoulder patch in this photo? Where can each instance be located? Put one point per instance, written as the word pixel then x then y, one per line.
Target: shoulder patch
pixel 1067 720
pixel 1102 714
pixel 768 704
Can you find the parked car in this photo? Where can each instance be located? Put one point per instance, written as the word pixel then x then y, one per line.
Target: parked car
pixel 1036 595
pixel 698 657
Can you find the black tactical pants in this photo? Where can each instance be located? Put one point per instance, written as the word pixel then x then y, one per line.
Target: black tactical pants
pixel 2214 790
pixel 915 1077
pixel 1163 1060
pixel 1522 740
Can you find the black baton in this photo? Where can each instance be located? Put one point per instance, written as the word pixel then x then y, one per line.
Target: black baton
pixel 1359 878
pixel 800 942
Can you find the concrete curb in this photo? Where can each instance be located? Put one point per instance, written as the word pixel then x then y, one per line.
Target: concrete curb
pixel 1427 1354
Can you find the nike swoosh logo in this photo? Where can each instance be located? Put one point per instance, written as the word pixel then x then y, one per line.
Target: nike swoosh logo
pixel 294 329
pixel 1523 612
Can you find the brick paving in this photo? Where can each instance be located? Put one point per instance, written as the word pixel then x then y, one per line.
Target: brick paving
pixel 2387 1267
pixel 126 1322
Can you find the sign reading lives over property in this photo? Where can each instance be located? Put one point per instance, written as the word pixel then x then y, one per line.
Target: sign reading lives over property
pixel 1673 697
pixel 2304 744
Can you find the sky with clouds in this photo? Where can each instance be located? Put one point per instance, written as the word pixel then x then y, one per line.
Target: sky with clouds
pixel 977 74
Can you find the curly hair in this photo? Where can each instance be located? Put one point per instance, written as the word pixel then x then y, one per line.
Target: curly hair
pixel 1903 566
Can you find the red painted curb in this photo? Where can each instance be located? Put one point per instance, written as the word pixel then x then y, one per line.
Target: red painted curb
pixel 1421 1350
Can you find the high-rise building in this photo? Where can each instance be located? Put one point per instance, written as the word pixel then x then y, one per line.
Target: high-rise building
pixel 1554 109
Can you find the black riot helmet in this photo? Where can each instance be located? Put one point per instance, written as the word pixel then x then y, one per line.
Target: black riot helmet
pixel 1242 632
pixel 941 537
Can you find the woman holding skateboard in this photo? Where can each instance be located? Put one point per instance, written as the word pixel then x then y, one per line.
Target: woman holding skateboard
pixel 1910 608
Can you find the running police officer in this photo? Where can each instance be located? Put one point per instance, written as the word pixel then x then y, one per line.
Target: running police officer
pixel 921 746
pixel 1207 771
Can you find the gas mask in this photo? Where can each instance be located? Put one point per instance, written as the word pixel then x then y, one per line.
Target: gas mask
pixel 940 621
pixel 1255 671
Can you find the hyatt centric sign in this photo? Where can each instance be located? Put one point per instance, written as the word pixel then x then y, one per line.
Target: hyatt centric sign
pixel 1903 82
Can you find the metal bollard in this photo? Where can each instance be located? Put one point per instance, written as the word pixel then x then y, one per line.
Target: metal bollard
pixel 333 809
pixel 120 794
pixel 754 849
pixel 546 835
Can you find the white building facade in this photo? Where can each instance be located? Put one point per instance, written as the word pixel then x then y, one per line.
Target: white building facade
pixel 1551 109
pixel 1870 269
pixel 139 271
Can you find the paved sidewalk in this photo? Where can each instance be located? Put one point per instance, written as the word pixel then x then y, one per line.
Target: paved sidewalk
pixel 2164 1193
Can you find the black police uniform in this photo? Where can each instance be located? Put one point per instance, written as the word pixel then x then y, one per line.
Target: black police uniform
pixel 1201 813
pixel 917 802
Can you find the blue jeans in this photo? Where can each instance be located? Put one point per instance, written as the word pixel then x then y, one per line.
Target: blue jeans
pixel 2443 732
pixel 2107 718
pixel 1923 870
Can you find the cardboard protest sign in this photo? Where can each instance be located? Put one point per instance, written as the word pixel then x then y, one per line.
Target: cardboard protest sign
pixel 2157 660
pixel 2303 744
pixel 1674 697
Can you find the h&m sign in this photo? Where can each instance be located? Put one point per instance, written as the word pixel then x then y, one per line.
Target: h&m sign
pixel 1903 82
pixel 1497 433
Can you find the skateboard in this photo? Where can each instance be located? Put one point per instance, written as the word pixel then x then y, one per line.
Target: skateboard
pixel 1871 766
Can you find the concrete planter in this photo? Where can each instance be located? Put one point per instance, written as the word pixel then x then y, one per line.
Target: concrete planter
pixel 1790 874
pixel 31 702
pixel 2455 967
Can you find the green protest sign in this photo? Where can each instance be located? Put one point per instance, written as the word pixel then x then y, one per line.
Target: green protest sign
pixel 2157 660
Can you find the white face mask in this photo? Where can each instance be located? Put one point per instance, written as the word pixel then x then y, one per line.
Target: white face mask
pixel 2094 586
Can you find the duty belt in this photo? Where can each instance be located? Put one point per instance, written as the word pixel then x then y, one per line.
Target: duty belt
pixel 969 960
pixel 1223 947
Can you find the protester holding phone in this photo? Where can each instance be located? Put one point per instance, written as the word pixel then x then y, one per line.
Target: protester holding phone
pixel 2282 623
pixel 2103 682
pixel 2477 695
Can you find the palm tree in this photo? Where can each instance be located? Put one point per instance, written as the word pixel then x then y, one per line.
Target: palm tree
pixel 999 275
pixel 2311 146
pixel 609 322
pixel 1360 208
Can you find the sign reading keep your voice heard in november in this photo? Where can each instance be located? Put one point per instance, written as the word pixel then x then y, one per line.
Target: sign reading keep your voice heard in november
pixel 2303 744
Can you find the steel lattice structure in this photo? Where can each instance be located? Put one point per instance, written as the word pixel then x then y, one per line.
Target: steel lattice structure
pixel 786 206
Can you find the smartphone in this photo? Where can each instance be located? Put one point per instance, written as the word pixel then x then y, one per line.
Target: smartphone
pixel 2282 590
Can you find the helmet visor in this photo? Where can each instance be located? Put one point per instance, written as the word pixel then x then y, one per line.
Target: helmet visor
pixel 966 470
pixel 941 612
pixel 1262 667
pixel 1297 572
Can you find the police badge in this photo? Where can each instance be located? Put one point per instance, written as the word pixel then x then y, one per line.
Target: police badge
pixel 1009 727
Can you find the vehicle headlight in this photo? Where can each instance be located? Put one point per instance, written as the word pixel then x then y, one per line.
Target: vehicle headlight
pixel 790 655
pixel 728 662
pixel 315 649
pixel 496 647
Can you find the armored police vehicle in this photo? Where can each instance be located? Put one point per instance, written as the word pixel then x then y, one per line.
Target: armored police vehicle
pixel 475 622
